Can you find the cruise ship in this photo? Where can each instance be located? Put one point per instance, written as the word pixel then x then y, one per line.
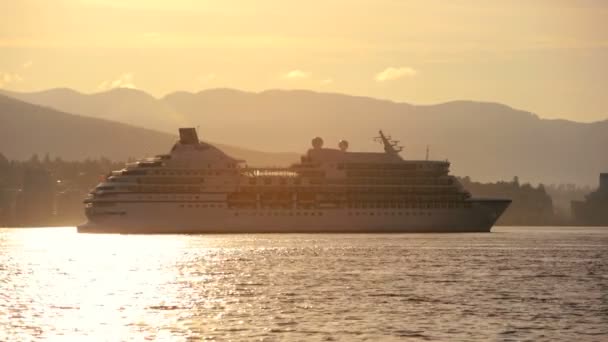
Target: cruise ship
pixel 197 188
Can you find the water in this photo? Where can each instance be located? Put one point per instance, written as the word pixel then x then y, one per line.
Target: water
pixel 513 284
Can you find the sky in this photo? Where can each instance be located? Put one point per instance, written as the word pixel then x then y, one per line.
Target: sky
pixel 546 56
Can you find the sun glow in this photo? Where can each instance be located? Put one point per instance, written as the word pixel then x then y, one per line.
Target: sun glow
pixel 457 50
pixel 90 282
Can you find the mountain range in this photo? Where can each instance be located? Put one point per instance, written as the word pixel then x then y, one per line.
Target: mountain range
pixel 27 129
pixel 486 141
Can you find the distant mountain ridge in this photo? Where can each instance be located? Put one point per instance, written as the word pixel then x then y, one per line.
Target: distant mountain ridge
pixel 26 129
pixel 487 141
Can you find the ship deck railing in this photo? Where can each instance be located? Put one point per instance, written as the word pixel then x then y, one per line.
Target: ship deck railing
pixel 269 172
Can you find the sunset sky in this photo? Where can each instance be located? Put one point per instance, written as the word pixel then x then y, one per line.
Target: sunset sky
pixel 549 57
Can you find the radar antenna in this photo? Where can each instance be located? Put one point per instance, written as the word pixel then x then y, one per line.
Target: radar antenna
pixel 390 146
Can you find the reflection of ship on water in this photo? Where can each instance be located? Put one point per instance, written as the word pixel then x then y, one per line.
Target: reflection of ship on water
pixel 197 188
pixel 593 211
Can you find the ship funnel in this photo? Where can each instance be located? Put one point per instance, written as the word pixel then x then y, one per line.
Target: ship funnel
pixel 188 136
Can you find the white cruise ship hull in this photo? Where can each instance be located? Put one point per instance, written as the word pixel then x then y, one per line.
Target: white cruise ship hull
pixel 193 218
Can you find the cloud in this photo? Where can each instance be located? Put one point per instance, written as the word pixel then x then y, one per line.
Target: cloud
pixel 7 78
pixel 27 64
pixel 391 73
pixel 327 81
pixel 296 75
pixel 207 78
pixel 123 81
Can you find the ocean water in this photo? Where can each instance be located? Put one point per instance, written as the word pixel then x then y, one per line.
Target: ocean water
pixel 512 284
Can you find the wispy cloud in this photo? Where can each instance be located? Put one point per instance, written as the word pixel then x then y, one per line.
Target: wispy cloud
pixel 27 64
pixel 394 73
pixel 327 81
pixel 7 78
pixel 296 75
pixel 207 78
pixel 123 81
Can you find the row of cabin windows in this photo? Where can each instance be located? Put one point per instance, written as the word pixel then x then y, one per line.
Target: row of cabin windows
pixel 363 205
pixel 159 196
pixel 268 181
pixel 154 197
pixel 409 166
pixel 199 205
pixel 133 190
pixel 421 205
pixel 177 172
pixel 393 180
pixel 169 180
pixel 390 213
pixel 183 205
pixel 173 197
pixel 395 173
pixel 279 213
pixel 317 185
pixel 355 213
pixel 159 163
pixel 188 173
pixel 150 164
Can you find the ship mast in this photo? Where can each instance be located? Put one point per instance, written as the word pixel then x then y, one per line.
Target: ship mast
pixel 390 146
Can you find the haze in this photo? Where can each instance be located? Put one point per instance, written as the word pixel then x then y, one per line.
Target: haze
pixel 548 57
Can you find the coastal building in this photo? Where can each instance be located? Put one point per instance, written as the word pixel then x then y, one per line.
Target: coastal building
pixel 593 211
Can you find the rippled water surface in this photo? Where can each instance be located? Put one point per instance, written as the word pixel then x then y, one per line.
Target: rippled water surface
pixel 512 284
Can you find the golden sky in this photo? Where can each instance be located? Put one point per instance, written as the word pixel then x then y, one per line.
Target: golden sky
pixel 546 56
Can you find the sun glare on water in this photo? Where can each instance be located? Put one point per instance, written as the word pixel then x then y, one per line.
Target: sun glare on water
pixel 99 283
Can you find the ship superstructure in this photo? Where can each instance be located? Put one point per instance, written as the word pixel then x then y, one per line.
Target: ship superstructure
pixel 197 188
